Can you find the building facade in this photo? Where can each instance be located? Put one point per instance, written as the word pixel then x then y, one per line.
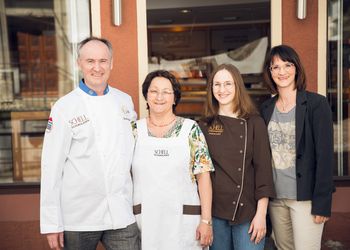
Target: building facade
pixel 38 41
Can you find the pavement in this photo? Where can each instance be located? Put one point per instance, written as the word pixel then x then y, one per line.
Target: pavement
pixel 19 235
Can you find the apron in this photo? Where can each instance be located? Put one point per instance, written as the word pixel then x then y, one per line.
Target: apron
pixel 162 186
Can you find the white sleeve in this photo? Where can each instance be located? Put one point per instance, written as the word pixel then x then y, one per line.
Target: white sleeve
pixel 55 149
pixel 133 116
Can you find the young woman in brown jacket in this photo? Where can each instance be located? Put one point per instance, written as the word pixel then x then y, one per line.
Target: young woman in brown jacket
pixel 239 147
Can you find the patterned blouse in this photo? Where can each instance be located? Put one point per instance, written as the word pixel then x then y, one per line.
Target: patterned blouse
pixel 200 158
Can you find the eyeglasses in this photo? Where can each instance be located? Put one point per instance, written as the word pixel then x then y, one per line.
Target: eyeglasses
pixel 155 93
pixel 226 85
pixel 276 69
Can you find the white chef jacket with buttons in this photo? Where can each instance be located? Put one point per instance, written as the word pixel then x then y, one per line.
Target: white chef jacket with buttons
pixel 86 158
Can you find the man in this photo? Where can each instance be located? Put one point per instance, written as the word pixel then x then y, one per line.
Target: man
pixel 86 188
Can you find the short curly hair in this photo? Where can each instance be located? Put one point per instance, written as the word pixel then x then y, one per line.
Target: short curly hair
pixel 165 74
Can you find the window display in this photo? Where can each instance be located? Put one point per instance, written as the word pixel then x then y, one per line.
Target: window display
pixel 37 66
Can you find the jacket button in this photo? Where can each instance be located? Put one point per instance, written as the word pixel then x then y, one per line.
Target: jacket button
pixel 241 136
pixel 240 151
pixel 241 204
pixel 241 123
pixel 234 202
pixel 239 169
pixel 298 175
pixel 238 186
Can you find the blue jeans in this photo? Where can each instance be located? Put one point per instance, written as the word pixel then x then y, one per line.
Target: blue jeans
pixel 228 237
pixel 120 239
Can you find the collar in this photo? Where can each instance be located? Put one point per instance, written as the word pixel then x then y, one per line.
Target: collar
pixel 301 97
pixel 89 91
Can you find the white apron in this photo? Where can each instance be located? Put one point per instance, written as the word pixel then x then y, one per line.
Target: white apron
pixel 162 186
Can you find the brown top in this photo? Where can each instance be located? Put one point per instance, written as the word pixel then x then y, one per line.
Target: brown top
pixel 241 155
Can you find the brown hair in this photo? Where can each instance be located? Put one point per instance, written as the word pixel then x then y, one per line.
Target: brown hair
pixel 286 54
pixel 242 103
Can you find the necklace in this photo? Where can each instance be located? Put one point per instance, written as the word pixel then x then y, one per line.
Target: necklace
pixel 283 106
pixel 161 125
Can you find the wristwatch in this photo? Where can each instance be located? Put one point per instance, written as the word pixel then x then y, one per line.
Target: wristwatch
pixel 208 222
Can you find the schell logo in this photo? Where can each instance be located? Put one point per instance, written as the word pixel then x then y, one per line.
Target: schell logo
pixel 161 152
pixel 79 120
pixel 216 129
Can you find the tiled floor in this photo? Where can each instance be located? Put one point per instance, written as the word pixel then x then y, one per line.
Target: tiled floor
pixel 25 235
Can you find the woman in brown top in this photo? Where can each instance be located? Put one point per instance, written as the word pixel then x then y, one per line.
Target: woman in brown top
pixel 239 147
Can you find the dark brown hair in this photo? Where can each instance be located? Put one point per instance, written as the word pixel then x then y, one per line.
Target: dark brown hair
pixel 242 103
pixel 286 54
pixel 165 74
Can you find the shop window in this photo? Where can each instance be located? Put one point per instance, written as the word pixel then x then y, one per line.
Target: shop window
pixel 338 84
pixel 191 40
pixel 38 41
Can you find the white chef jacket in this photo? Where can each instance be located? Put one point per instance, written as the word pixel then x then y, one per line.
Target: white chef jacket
pixel 86 158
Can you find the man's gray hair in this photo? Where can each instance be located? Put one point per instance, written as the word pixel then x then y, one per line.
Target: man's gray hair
pixel 93 38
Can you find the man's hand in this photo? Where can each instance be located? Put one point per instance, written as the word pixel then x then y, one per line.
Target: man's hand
pixel 55 240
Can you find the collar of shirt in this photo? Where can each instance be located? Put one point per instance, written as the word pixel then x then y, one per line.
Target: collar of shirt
pixel 89 91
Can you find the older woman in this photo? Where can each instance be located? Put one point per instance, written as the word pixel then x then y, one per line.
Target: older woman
pixel 171 157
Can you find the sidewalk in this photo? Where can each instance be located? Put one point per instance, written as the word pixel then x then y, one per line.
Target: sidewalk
pixel 25 235
pixel 336 235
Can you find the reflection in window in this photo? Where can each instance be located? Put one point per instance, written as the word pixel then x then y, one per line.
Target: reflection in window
pixel 191 40
pixel 37 65
pixel 338 86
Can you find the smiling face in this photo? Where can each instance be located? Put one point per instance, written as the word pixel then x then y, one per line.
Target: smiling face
pixel 95 62
pixel 160 96
pixel 224 88
pixel 283 74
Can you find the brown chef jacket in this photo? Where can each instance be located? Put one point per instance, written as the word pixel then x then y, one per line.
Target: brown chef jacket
pixel 241 155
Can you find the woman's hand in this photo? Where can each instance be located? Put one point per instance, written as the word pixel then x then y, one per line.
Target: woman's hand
pixel 318 219
pixel 257 228
pixel 204 234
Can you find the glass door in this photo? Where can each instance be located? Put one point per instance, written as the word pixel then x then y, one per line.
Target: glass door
pixel 191 38
pixel 338 85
